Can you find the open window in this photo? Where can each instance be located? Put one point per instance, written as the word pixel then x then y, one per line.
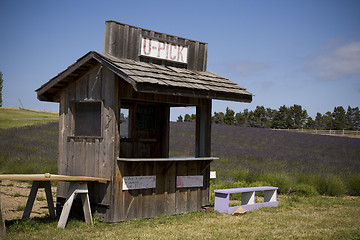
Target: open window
pixel 125 123
pixel 87 118
pixel 182 131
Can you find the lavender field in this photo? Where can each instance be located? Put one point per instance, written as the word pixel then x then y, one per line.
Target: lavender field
pixel 247 155
pixel 266 150
pixel 29 149
pixel 256 149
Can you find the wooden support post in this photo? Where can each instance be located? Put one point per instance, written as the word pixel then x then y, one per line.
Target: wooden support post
pixel 203 144
pixel 2 221
pixel 31 199
pixel 86 208
pixel 47 186
pixel 203 129
pixel 75 189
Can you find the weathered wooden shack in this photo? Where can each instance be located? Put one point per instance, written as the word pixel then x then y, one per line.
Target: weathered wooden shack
pixel 142 74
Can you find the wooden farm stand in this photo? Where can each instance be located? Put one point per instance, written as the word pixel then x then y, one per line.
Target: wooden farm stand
pixel 141 74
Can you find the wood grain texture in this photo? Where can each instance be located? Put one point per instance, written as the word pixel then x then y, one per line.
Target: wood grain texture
pixel 2 221
pixel 52 177
pixel 123 41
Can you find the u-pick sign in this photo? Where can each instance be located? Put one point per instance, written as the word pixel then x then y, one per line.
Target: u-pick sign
pixel 163 50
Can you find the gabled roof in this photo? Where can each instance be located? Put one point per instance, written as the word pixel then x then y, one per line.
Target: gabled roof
pixel 149 78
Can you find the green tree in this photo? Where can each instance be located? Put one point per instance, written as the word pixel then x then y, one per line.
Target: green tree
pixel 298 116
pixel 339 121
pixel 180 119
pixel 240 118
pixel 270 116
pixel 253 120
pixel 229 117
pixel 218 118
pixel 187 118
pixel 349 118
pixel 310 123
pixel 352 118
pixel 282 118
pixel 319 121
pixel 327 121
pixel 356 118
pixel 1 87
pixel 258 117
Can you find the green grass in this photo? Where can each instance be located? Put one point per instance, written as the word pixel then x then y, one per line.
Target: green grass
pixel 27 145
pixel 23 117
pixel 302 184
pixel 296 218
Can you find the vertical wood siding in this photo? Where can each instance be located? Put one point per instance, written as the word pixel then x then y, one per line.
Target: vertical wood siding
pixel 123 41
pixel 165 198
pixel 89 156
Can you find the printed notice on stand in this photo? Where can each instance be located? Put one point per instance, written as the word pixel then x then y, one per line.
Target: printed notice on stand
pixel 189 181
pixel 139 182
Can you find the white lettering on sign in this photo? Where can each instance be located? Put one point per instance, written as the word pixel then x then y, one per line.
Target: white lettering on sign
pixel 139 182
pixel 189 181
pixel 163 50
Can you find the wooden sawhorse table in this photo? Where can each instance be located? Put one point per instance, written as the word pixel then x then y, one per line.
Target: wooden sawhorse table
pixel 78 185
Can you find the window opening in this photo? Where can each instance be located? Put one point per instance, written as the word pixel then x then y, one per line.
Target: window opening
pixel 124 123
pixel 87 118
pixel 182 133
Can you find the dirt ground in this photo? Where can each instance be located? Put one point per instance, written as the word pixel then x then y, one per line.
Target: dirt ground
pixel 14 195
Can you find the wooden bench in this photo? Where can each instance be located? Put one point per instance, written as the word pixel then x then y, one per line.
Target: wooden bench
pixel 222 197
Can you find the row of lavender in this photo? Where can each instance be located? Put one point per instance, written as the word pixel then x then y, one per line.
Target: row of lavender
pixel 272 151
pixel 238 147
pixel 30 149
pixel 244 152
pixel 255 154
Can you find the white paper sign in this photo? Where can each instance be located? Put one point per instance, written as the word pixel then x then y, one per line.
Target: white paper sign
pixel 139 182
pixel 163 50
pixel 189 181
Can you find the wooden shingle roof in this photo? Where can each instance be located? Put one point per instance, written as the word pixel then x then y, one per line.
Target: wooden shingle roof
pixel 150 78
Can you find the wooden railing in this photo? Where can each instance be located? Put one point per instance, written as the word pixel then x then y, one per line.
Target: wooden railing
pixel 325 132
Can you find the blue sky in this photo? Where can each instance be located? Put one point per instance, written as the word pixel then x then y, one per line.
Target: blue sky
pixel 285 52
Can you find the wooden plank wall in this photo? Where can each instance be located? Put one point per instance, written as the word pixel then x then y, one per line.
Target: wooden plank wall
pixel 123 41
pixel 165 198
pixel 98 156
pixel 85 155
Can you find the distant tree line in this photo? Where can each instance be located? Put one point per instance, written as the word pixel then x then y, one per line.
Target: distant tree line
pixel 286 118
